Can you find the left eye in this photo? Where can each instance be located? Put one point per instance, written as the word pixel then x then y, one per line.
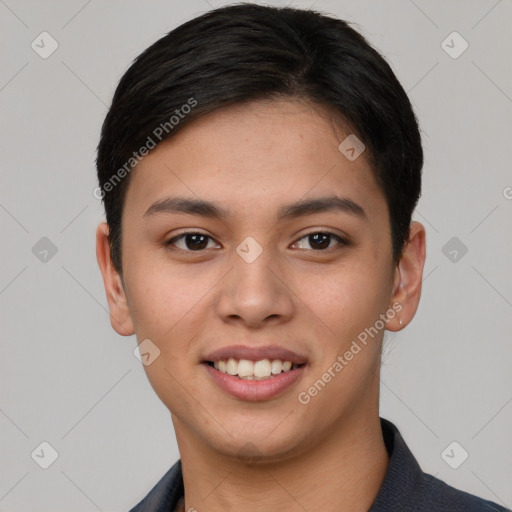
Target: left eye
pixel 321 240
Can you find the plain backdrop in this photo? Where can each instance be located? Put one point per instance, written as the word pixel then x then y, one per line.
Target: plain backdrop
pixel 69 380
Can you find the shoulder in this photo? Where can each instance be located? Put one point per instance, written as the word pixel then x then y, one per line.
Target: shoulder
pixel 164 496
pixel 407 488
pixel 438 495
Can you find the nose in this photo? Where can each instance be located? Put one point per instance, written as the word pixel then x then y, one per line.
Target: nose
pixel 255 293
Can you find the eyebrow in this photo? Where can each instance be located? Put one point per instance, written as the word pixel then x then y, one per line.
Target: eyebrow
pixel 300 208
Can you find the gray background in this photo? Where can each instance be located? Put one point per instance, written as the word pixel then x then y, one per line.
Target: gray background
pixel 68 379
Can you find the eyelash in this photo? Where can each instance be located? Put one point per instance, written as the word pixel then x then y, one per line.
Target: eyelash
pixel 341 241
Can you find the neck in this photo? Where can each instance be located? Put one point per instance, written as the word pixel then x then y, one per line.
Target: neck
pixel 343 472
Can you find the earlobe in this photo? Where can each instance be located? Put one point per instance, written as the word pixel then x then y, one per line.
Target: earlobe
pixel 120 317
pixel 408 278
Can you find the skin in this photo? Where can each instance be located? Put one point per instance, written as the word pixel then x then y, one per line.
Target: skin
pixel 252 159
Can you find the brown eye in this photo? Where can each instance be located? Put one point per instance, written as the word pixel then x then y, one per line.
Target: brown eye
pixel 192 241
pixel 321 240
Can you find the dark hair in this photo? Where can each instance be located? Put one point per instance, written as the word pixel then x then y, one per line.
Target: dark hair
pixel 246 52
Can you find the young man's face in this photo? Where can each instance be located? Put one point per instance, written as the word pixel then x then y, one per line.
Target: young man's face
pixel 257 281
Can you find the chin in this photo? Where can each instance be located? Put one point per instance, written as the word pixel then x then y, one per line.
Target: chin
pixel 260 446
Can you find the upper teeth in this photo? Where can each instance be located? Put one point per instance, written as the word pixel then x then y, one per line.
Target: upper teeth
pixel 250 370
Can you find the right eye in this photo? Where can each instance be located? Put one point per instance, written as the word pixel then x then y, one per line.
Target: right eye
pixel 193 241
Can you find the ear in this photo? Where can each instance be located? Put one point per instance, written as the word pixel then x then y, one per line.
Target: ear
pixel 120 318
pixel 408 279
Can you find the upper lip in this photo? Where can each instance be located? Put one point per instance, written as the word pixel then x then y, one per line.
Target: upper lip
pixel 255 353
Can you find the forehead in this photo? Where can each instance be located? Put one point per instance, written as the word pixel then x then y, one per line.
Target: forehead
pixel 256 153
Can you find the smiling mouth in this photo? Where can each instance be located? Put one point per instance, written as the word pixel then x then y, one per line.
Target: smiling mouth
pixel 246 369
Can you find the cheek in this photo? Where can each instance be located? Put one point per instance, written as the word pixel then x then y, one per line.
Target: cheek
pixel 172 306
pixel 168 310
pixel 160 298
pixel 346 299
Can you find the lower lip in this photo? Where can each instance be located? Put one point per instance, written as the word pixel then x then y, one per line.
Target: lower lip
pixel 255 390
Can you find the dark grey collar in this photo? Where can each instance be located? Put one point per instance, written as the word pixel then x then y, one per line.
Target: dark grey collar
pixel 405 488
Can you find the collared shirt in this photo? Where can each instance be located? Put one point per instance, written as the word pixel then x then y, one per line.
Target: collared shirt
pixel 406 488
